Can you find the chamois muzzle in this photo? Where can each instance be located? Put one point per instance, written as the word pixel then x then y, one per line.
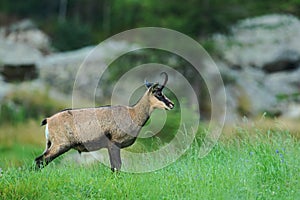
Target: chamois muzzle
pixel 161 97
pixel 170 105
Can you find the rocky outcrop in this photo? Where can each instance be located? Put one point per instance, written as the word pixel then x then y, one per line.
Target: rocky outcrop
pixel 261 58
pixel 26 32
pixel 60 70
pixel 259 41
pixel 286 60
pixel 18 61
pixel 21 47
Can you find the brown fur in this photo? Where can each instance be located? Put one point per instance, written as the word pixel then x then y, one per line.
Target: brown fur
pixel 90 129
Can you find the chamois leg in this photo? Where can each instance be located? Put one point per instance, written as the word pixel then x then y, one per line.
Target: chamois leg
pixel 114 157
pixel 39 161
pixel 49 155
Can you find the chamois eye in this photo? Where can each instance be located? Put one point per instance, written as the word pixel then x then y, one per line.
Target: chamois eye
pixel 159 94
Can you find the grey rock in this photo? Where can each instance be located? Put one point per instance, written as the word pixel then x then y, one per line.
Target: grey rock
pixel 286 60
pixel 78 72
pixel 26 32
pixel 261 40
pixel 18 61
pixel 15 53
pixel 292 111
pixel 260 65
pixel 283 83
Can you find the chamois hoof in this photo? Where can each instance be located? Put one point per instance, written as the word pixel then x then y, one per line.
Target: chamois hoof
pixel 115 170
pixel 39 163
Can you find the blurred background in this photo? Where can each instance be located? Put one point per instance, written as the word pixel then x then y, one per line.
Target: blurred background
pixel 255 45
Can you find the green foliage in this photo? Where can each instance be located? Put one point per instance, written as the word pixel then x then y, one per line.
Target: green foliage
pixel 288 97
pixel 93 20
pixel 21 105
pixel 71 35
pixel 9 113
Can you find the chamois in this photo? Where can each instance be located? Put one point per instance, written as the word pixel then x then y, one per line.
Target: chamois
pixel 111 127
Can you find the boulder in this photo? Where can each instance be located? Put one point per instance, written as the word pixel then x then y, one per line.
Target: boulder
pixel 18 61
pixel 26 32
pixel 292 111
pixel 269 42
pixel 285 60
pixel 60 70
pixel 260 65
pixel 247 93
pixel 283 83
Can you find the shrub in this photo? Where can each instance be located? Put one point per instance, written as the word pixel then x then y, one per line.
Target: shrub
pixel 71 35
pixel 20 105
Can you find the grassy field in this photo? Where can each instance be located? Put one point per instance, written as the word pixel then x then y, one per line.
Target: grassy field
pixel 253 164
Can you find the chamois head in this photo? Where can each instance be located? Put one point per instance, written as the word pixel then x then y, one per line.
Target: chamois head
pixel 156 97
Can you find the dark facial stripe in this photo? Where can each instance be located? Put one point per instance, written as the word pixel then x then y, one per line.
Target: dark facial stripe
pixel 162 98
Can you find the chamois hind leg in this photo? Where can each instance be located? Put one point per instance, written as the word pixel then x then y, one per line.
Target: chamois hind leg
pixel 39 161
pixel 52 151
pixel 114 157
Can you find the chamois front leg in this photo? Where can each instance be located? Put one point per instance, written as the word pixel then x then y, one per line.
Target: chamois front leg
pixel 114 157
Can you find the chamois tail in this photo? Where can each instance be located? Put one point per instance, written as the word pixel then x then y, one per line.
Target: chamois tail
pixel 44 122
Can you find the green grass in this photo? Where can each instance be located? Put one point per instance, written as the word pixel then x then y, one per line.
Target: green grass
pixel 254 165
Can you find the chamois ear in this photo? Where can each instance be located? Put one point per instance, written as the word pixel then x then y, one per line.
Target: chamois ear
pixel 147 84
pixel 153 87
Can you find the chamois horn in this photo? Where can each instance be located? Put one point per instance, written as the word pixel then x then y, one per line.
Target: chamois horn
pixel 166 79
